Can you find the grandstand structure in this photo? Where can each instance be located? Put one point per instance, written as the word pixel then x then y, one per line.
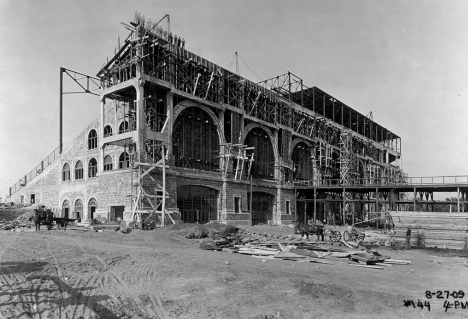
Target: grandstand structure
pixel 178 134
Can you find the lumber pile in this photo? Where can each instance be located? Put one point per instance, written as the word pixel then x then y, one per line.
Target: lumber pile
pixel 432 229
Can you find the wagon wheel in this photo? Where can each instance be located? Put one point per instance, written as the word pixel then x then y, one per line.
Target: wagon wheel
pixel 329 234
pixel 361 238
pixel 336 236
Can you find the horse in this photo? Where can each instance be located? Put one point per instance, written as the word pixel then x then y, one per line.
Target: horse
pixel 311 229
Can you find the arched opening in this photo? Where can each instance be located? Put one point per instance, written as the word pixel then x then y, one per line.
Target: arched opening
pixel 92 168
pixel 79 170
pixel 78 213
pixel 65 209
pixel 66 172
pixel 197 204
pixel 262 207
pixel 92 140
pixel 92 206
pixel 195 140
pixel 303 162
pixel 107 131
pixel 124 160
pixel 123 127
pixel 263 165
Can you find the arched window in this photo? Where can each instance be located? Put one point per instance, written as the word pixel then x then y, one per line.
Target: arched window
pixel 108 163
pixel 92 140
pixel 123 128
pixel 65 208
pixel 66 172
pixel 195 140
pixel 107 131
pixel 78 213
pixel 92 206
pixel 92 168
pixel 303 162
pixel 263 165
pixel 124 160
pixel 79 170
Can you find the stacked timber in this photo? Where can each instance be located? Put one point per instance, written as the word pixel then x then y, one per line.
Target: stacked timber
pixel 444 230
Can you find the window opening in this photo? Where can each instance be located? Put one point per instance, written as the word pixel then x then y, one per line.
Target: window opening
pixel 196 141
pixel 108 163
pixel 237 204
pixel 123 128
pixel 124 160
pixel 92 140
pixel 92 170
pixel 264 157
pixel 107 131
pixel 66 172
pixel 79 170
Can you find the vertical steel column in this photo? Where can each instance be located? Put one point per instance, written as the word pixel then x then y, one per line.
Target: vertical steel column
pixel 414 200
pixel 61 112
pixel 344 205
pixel 458 199
pixel 377 204
pixel 315 204
pixel 251 200
pixel 163 211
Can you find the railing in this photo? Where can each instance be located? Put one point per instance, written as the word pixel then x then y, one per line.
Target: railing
pixel 387 181
pixel 35 171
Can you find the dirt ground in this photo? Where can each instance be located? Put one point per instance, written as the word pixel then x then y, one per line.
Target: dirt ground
pixel 161 274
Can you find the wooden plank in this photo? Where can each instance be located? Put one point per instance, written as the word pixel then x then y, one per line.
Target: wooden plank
pixel 366 266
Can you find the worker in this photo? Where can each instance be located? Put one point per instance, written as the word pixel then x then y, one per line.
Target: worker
pixel 37 220
pixel 122 226
pixel 408 238
pixel 466 241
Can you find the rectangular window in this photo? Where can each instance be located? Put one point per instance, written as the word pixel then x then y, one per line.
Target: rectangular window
pixel 288 207
pixel 79 173
pixel 237 204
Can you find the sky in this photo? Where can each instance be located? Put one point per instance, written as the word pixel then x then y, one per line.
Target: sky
pixel 404 61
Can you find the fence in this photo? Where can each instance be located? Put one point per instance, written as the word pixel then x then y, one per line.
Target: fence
pixel 35 171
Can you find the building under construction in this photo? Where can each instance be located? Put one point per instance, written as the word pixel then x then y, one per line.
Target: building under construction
pixel 182 135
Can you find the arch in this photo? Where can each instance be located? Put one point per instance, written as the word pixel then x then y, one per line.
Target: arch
pixel 78 211
pixel 262 207
pixel 196 139
pixel 108 165
pixel 92 168
pixel 303 162
pixel 297 141
pixel 107 131
pixel 92 206
pixel 197 204
pixel 79 170
pixel 66 172
pixel 124 161
pixel 92 140
pixel 252 126
pixel 124 127
pixel 65 208
pixel 265 156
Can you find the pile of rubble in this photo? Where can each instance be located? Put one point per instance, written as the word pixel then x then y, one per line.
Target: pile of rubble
pixel 16 226
pixel 287 247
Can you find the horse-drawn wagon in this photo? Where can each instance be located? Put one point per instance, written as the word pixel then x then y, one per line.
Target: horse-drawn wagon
pixel 44 216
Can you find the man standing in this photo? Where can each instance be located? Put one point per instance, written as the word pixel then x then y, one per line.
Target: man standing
pixel 37 219
pixel 408 238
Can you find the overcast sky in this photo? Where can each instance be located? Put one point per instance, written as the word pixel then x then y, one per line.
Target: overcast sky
pixel 406 61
